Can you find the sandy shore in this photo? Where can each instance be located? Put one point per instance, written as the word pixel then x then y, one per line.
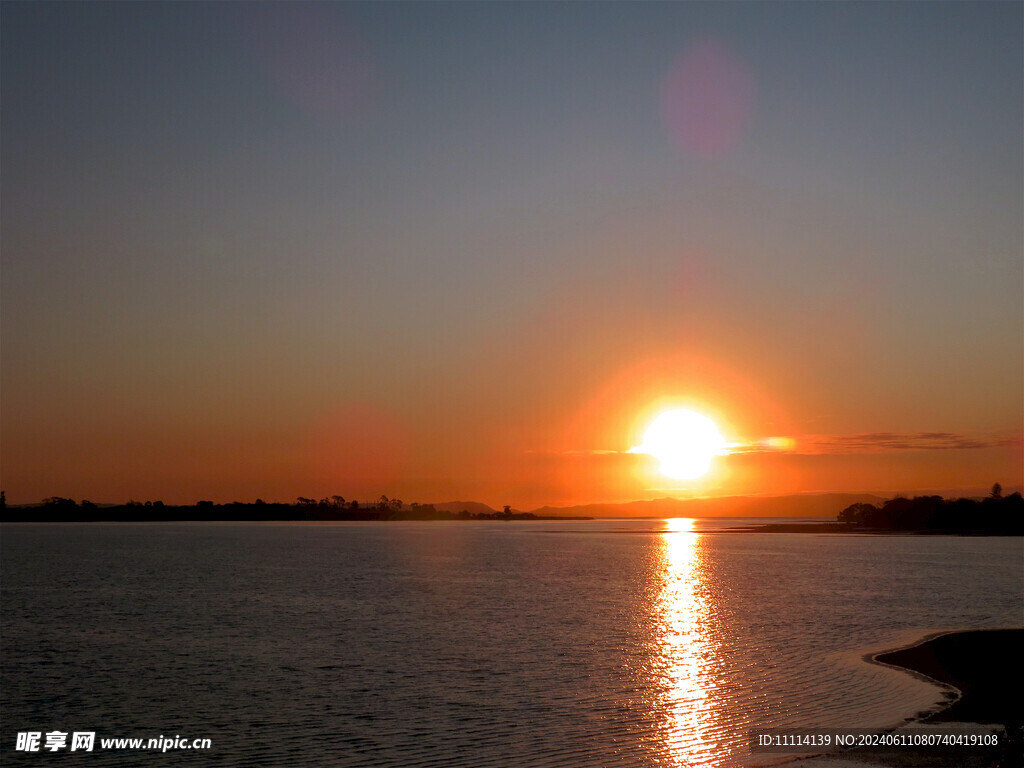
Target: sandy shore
pixel 986 669
pixel 847 530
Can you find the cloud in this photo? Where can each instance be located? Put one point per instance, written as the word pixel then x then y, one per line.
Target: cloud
pixel 867 442
pixel 576 452
pixel 881 442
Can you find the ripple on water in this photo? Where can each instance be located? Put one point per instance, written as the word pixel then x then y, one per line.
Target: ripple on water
pixel 472 645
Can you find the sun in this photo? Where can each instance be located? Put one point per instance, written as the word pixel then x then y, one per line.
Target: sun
pixel 684 442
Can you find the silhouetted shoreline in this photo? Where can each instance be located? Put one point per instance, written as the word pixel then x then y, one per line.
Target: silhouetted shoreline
pixel 985 666
pixel 984 674
pixel 847 530
pixel 996 515
pixel 60 510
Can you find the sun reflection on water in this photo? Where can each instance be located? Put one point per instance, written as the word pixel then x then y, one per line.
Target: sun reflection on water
pixel 686 652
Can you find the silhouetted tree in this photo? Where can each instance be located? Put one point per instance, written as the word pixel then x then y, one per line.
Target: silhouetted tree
pixel 856 514
pixel 59 502
pixel 997 491
pixel 992 515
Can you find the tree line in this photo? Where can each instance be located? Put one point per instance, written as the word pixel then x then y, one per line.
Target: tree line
pixel 993 515
pixel 60 509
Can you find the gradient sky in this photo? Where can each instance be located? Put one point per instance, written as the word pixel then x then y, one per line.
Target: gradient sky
pixel 465 251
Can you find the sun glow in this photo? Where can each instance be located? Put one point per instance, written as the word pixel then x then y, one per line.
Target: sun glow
pixel 684 442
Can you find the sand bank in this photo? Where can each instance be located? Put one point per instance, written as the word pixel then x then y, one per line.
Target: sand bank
pixel 985 671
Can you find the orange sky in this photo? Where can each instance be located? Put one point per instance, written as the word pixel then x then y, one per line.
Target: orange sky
pixel 527 444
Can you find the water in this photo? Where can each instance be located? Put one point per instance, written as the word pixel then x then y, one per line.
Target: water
pixel 589 643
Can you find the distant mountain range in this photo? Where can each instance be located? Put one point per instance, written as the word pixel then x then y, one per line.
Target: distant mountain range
pixel 799 505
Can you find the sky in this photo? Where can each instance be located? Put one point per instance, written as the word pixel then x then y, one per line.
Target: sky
pixel 468 251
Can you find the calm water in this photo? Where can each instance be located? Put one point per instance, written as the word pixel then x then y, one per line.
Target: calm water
pixel 603 643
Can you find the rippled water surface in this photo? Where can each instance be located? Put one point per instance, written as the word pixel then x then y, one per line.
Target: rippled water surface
pixel 588 643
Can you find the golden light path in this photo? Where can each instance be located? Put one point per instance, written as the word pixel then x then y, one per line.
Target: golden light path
pixel 685 652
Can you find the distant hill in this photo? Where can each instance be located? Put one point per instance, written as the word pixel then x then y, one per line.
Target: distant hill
pixel 799 505
pixel 474 507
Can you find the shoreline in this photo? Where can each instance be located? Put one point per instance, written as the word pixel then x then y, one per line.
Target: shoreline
pixel 845 529
pixel 983 666
pixel 982 671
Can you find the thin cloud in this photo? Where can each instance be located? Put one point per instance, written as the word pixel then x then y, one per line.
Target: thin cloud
pixel 881 442
pixel 867 442
pixel 576 452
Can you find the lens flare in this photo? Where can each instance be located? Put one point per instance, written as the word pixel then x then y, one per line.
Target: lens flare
pixel 707 98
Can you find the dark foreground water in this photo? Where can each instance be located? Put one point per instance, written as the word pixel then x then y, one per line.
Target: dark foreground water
pixel 603 643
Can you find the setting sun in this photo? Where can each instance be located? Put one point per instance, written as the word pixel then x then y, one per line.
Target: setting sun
pixel 684 442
